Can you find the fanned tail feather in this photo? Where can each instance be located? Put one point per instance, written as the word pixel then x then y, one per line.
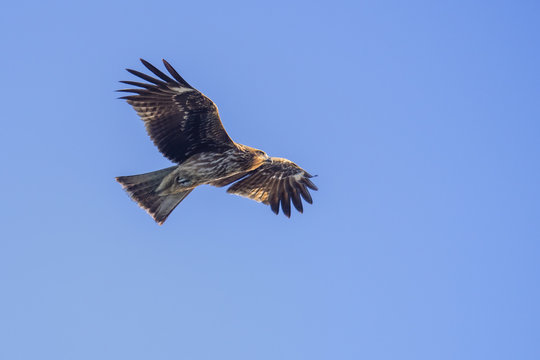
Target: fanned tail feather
pixel 142 189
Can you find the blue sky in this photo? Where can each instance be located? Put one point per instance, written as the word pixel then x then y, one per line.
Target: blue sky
pixel 420 118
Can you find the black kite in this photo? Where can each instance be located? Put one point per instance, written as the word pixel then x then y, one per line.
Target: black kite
pixel 186 128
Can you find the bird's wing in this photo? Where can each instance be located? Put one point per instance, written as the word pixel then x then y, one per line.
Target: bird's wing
pixel 278 182
pixel 180 120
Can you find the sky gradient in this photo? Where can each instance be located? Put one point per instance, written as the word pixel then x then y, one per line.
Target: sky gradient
pixel 421 120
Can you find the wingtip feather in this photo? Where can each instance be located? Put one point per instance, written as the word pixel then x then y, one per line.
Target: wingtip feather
pixel 175 74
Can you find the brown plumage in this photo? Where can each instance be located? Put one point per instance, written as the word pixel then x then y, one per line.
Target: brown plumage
pixel 186 128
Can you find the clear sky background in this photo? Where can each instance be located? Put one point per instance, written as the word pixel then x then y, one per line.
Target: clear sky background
pixel 421 118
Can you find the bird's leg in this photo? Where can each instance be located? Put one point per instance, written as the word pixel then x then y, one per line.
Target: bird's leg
pixel 175 182
pixel 183 182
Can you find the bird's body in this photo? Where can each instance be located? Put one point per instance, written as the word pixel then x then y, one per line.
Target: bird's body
pixel 185 126
pixel 208 167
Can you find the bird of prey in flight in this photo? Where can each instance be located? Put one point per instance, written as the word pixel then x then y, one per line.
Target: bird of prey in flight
pixel 186 128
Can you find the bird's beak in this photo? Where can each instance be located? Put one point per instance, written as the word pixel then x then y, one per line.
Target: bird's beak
pixel 268 160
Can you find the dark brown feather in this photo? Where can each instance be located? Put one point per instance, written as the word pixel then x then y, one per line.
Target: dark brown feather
pixel 175 75
pixel 136 91
pixel 295 197
pixel 309 184
pixel 136 83
pixel 304 192
pixel 145 77
pixel 284 199
pixel 275 183
pixel 180 120
pixel 273 198
pixel 157 72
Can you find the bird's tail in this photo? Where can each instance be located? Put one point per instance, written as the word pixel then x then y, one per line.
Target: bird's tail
pixel 142 189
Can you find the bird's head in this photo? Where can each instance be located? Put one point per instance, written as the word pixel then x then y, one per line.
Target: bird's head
pixel 258 157
pixel 263 156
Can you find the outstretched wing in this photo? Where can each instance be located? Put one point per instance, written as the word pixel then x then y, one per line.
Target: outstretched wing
pixel 275 183
pixel 180 120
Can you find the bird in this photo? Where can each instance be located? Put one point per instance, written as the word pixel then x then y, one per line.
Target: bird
pixel 186 128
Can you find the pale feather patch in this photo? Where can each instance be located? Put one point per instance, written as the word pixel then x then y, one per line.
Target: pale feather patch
pixel 181 90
